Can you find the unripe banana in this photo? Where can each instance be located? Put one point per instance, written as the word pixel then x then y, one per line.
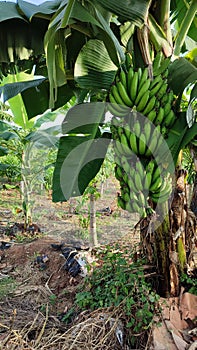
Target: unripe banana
pixel 155 81
pixel 155 186
pixel 118 147
pixel 150 105
pixel 142 144
pixel 162 91
pixel 143 102
pixel 125 165
pixel 123 94
pixel 125 145
pixel 123 78
pixel 131 183
pixel 139 71
pixel 144 77
pixel 136 208
pixel 126 197
pixel 116 95
pixel 156 174
pixel 147 131
pixel 138 181
pixel 129 78
pixel 141 199
pixel 156 88
pixel 150 167
pixel 169 119
pixel 147 181
pixel 142 91
pixel 160 116
pixel 154 140
pixel 137 128
pixel 127 131
pixel 134 87
pixel 116 109
pixel 167 108
pixel 140 169
pixel 129 207
pixel 128 60
pixel 134 143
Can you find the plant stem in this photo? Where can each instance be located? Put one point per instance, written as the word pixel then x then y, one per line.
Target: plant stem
pixel 165 19
pixel 184 28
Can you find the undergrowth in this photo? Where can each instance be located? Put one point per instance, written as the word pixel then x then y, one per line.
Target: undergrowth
pixel 120 282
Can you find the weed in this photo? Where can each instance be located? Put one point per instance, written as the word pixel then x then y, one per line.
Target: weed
pixel 190 283
pixel 119 282
pixel 7 285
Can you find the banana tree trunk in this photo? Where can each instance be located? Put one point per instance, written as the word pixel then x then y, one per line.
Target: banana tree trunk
pixel 193 204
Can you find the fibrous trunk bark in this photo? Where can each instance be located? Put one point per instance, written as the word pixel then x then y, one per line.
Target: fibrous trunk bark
pixel 93 233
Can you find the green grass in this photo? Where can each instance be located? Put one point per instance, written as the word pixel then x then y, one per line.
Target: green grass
pixel 7 285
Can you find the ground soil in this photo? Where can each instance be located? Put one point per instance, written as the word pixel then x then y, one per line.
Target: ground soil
pixel 28 291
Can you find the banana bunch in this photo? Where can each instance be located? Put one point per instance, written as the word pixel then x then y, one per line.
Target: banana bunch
pixel 143 183
pixel 133 89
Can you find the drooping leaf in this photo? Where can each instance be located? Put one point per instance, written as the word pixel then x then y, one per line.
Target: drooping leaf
pixel 8 10
pixel 130 10
pixel 78 161
pixel 190 115
pixel 81 152
pixel 46 8
pixel 94 68
pixel 3 166
pixel 12 89
pixel 8 135
pixel 181 74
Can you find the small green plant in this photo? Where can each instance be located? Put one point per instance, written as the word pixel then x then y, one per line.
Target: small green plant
pixel 7 285
pixel 120 282
pixel 190 283
pixel 52 299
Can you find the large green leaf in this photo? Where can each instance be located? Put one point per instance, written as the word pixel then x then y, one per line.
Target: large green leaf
pixel 78 161
pixel 3 151
pixel 130 10
pixel 181 74
pixel 46 8
pixel 12 89
pixel 94 68
pixel 81 152
pixel 8 10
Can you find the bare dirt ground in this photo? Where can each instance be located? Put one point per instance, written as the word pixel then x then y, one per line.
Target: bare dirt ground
pixel 35 299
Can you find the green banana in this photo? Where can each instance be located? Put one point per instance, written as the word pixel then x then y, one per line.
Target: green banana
pixel 160 116
pixel 115 109
pixel 134 143
pixel 144 77
pixel 155 81
pixel 169 119
pixel 162 90
pixel 140 169
pixel 147 181
pixel 156 88
pixel 123 94
pixel 136 207
pixel 127 131
pixel 141 199
pixel 118 146
pixel 129 78
pixel 129 207
pixel 156 174
pixel 123 78
pixel 149 107
pixel 142 144
pixel 125 145
pixel 147 131
pixel 154 140
pixel 155 186
pixel 134 86
pixel 142 91
pixel 138 181
pixel 143 102
pixel 167 108
pixel 116 95
pixel 125 165
pixel 150 167
pixel 137 128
